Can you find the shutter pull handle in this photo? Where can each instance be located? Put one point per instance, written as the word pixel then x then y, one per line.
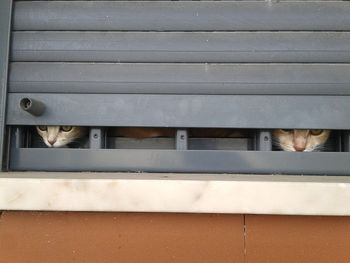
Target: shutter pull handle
pixel 32 106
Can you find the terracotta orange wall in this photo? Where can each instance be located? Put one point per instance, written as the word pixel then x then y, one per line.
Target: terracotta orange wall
pixel 298 239
pixel 163 237
pixel 120 237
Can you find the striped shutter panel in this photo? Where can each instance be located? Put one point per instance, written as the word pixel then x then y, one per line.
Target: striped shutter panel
pixel 219 64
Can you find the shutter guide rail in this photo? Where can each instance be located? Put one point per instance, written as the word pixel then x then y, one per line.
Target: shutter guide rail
pixel 5 22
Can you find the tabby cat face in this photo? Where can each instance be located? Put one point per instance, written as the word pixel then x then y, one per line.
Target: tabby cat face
pixel 300 140
pixel 60 136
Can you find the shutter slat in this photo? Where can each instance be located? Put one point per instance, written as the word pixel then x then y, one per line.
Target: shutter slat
pixel 181 46
pixel 235 111
pixel 202 161
pixel 182 15
pixel 180 78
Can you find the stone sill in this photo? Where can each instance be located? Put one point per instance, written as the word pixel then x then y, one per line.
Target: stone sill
pixel 188 193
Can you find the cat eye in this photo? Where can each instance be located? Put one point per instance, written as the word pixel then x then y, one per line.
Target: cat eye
pixel 66 128
pixel 42 128
pixel 316 132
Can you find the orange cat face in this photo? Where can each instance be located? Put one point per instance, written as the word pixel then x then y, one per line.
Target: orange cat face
pixel 300 140
pixel 60 136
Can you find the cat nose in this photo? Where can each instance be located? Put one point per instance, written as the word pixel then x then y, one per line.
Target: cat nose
pixel 51 142
pixel 299 148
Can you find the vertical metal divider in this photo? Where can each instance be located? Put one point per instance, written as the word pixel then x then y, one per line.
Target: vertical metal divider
pixel 263 140
pixel 105 138
pixel 7 149
pixel 97 138
pixel 17 139
pixel 346 141
pixel 181 140
pixel 339 140
pixel 5 29
pixel 28 137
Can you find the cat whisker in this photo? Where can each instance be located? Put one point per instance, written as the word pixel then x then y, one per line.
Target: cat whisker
pixel 320 148
pixel 285 146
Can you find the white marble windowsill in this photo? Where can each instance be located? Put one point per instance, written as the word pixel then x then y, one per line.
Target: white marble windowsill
pixel 190 193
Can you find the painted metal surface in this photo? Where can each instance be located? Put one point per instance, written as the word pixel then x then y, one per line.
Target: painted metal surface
pixel 204 47
pixel 182 15
pixel 5 22
pixel 194 161
pixel 216 111
pixel 181 78
pixel 229 64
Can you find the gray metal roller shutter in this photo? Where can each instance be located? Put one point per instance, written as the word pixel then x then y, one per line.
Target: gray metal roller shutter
pixel 182 64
